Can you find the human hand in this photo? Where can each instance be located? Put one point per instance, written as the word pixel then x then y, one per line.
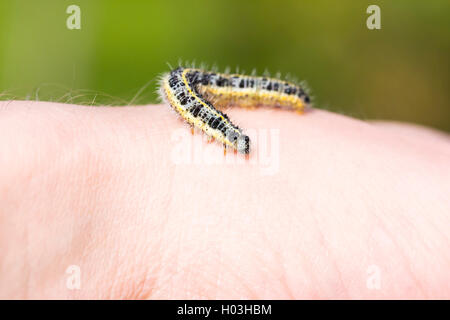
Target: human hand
pixel 103 188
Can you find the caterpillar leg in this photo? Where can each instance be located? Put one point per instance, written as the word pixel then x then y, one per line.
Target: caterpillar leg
pixel 249 105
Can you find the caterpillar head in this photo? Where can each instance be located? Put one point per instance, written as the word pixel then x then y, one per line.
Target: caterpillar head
pixel 240 141
pixel 243 144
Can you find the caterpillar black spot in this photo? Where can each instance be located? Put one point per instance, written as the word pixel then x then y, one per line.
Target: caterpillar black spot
pixel 197 95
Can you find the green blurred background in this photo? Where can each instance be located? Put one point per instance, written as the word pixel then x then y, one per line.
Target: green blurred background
pixel 400 72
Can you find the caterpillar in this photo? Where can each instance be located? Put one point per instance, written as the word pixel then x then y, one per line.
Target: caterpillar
pixel 198 96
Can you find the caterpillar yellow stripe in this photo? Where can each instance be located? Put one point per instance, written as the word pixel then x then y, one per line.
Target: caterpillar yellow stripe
pixel 197 95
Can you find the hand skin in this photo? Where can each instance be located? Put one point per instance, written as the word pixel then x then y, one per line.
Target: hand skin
pixel 355 210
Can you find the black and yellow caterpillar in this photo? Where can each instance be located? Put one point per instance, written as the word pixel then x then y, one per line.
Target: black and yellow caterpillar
pixel 198 95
